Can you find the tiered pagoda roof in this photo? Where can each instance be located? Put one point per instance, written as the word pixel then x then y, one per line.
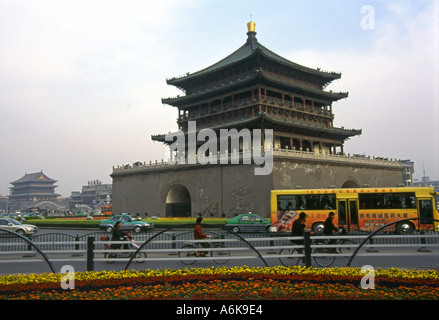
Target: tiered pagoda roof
pixel 302 106
pixel 252 50
pixel 33 186
pixel 34 177
pixel 258 77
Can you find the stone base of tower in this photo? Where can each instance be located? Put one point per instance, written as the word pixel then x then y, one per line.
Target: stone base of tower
pixel 164 190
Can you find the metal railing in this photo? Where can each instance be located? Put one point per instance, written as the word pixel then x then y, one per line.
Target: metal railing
pixel 167 246
pixel 277 152
pixel 52 268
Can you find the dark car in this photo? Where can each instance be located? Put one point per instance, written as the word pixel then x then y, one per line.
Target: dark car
pixel 128 223
pixel 248 222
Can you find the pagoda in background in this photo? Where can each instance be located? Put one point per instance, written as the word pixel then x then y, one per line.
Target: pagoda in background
pixel 255 88
pixel 33 187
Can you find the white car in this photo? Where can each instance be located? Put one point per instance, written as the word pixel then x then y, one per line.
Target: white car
pixel 18 227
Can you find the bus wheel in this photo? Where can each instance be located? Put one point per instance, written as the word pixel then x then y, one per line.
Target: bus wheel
pixel 318 227
pixel 404 228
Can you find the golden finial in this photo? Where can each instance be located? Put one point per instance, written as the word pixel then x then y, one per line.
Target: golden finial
pixel 251 26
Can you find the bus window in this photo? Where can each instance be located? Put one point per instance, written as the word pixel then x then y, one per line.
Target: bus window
pixel 286 202
pixel 387 200
pixel 327 202
pixel 306 202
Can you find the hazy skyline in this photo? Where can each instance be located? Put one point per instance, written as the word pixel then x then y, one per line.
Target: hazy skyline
pixel 81 82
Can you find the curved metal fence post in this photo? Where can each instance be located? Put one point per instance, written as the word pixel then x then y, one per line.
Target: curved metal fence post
pixel 378 230
pixel 52 268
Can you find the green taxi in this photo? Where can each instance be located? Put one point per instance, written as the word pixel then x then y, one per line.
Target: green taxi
pixel 129 223
pixel 248 222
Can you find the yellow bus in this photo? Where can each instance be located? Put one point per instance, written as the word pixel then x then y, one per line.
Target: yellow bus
pixel 107 210
pixel 365 209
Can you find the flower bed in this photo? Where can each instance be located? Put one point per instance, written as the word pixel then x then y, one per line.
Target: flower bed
pixel 273 283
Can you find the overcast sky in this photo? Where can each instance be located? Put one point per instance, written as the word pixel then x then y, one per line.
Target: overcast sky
pixel 81 82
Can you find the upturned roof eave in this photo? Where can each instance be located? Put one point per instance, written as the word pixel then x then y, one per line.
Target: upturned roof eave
pixel 217 90
pixel 33 177
pixel 341 132
pixel 330 76
pixel 347 133
pixel 332 96
pixel 237 56
pixel 244 52
pixel 224 125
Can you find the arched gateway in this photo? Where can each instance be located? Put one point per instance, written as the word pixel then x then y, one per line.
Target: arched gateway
pixel 349 184
pixel 178 202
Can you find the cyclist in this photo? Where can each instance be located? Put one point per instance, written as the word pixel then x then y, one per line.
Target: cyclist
pixel 329 227
pixel 200 235
pixel 297 229
pixel 118 235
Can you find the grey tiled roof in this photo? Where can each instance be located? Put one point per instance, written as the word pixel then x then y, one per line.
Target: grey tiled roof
pixel 37 176
pixel 252 47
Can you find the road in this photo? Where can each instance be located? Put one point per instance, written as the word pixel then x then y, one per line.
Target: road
pixel 32 262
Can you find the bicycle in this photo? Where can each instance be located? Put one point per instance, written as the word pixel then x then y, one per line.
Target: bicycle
pixel 290 257
pixel 111 257
pixel 197 250
pixel 325 257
